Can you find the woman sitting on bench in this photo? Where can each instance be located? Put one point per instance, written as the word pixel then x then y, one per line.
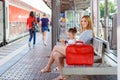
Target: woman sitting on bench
pixel 58 53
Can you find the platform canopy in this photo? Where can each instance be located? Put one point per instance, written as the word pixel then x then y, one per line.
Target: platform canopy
pixel 81 4
pixel 71 4
pixel 39 4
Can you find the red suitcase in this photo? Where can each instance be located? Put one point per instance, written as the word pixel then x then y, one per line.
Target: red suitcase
pixel 79 54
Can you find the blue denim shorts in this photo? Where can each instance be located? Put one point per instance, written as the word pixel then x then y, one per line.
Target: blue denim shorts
pixel 45 29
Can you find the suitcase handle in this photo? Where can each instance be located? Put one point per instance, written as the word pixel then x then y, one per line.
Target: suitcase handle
pixel 79 42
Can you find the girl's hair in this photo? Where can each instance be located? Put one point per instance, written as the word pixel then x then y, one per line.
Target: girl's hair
pixel 31 14
pixel 90 24
pixel 73 30
pixel 44 14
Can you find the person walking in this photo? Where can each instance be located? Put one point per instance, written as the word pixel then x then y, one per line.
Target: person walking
pixel 44 28
pixel 31 23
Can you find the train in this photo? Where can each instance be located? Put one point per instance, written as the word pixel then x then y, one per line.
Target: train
pixel 13 17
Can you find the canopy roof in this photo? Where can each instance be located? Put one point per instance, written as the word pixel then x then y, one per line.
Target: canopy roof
pixel 71 4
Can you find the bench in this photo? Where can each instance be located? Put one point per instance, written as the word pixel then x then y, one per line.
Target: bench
pixel 101 68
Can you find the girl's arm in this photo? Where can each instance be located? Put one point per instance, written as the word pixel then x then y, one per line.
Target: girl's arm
pixel 63 41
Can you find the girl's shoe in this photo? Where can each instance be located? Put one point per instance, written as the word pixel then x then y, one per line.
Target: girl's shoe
pixel 56 69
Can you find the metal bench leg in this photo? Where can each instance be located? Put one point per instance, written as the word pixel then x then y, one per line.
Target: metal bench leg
pixel 103 54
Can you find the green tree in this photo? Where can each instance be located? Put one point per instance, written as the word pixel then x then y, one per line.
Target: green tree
pixel 111 9
pixel 102 7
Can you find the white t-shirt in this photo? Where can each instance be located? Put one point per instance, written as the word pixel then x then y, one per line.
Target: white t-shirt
pixel 70 41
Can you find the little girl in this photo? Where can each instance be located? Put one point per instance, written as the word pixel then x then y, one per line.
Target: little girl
pixel 71 40
pixel 71 37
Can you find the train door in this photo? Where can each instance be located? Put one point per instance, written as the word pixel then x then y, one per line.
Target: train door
pixel 1 22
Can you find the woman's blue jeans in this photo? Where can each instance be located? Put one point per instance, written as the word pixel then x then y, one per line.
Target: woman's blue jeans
pixel 32 35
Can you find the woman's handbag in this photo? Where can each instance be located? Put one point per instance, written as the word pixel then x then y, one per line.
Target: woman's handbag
pixel 33 26
pixel 79 54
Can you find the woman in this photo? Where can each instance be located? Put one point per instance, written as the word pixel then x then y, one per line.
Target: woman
pixel 58 53
pixel 44 28
pixel 31 21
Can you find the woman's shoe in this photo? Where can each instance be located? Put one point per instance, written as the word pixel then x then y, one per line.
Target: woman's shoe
pixel 45 70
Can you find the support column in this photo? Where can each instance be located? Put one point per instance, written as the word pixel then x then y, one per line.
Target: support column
pixel 4 22
pixel 55 21
pixel 118 36
pixel 98 17
pixel 95 15
pixel 58 17
pixel 106 20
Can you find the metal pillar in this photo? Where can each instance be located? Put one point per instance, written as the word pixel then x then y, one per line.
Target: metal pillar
pixel 106 20
pixel 58 17
pixel 95 13
pixel 55 21
pixel 91 5
pixel 4 23
pixel 98 19
pixel 118 36
pixel 113 41
pixel 118 14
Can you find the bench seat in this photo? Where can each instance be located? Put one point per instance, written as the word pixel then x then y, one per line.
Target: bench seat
pixel 95 69
pixel 100 67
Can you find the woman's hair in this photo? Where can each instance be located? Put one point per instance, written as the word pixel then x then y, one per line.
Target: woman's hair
pixel 73 30
pixel 90 24
pixel 31 14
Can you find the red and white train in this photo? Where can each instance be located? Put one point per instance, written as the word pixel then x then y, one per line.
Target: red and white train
pixel 13 15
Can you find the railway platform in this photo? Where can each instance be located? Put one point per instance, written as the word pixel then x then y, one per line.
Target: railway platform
pixel 18 61
pixel 24 63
